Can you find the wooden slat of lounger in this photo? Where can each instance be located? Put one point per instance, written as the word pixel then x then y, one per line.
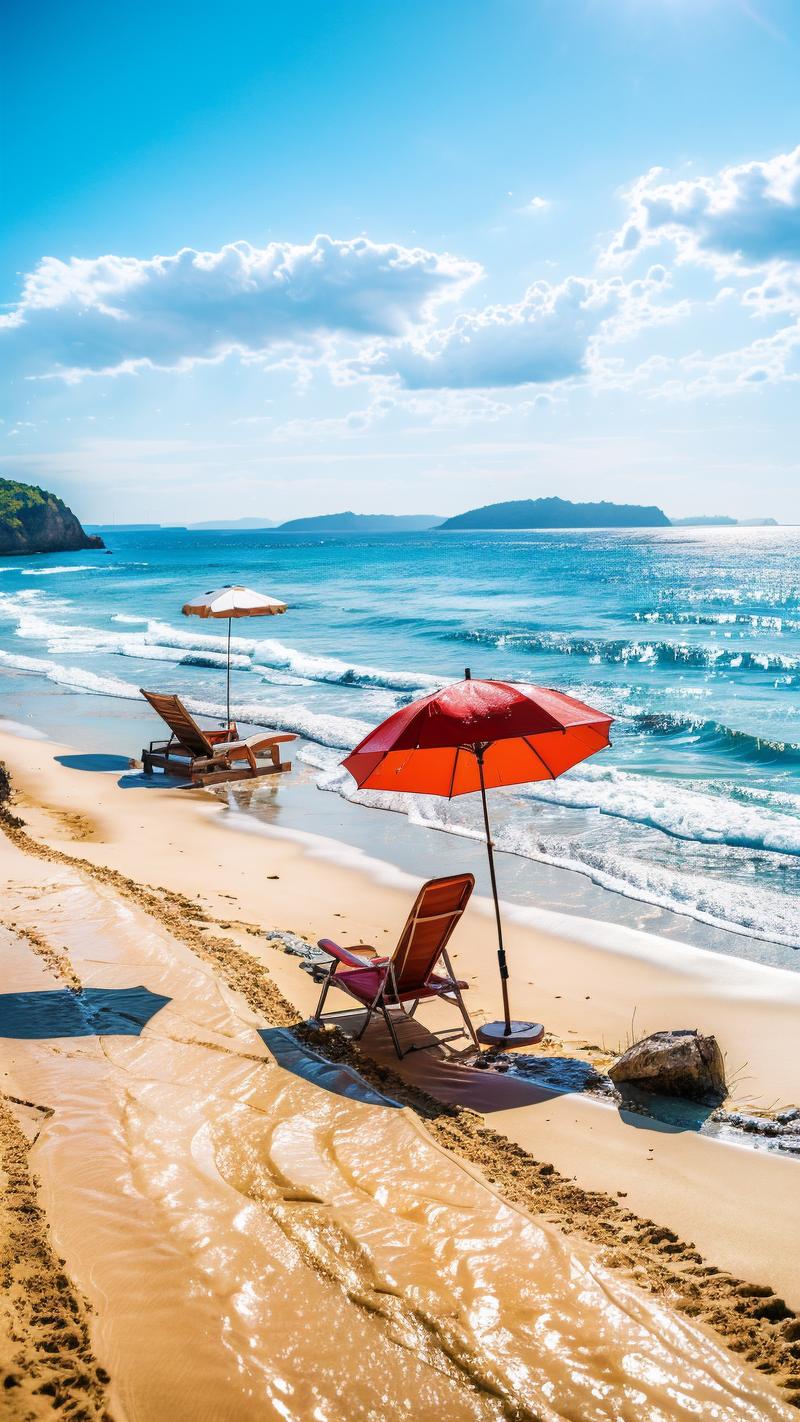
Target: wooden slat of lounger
pixel 174 714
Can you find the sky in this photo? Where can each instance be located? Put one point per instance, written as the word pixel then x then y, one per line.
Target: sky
pixel 276 260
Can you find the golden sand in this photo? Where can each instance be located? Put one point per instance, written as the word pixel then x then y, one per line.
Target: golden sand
pixel 264 1242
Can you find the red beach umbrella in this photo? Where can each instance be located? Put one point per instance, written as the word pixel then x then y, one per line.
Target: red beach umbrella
pixel 477 735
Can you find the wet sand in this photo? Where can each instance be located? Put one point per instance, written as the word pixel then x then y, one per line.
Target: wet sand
pixel 259 1225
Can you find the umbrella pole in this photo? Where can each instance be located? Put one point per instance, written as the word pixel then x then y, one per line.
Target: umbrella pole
pixel 505 1034
pixel 501 952
pixel 228 683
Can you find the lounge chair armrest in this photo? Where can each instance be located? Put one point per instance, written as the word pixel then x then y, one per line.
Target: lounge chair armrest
pixel 253 743
pixel 346 955
pixel 266 739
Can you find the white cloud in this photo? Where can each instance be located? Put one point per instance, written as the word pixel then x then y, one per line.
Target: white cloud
pixel 545 337
pixel 116 314
pixel 768 361
pixel 536 206
pixel 745 215
pixel 777 295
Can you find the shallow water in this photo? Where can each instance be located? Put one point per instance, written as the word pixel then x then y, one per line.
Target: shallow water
pixel 690 637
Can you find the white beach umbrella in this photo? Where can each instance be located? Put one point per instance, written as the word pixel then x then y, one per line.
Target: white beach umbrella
pixel 229 602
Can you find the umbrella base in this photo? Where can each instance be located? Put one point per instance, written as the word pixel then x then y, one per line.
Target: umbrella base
pixel 522 1034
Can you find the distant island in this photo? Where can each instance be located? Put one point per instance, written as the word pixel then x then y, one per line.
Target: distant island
pixel 136 527
pixel 231 525
pixel 723 521
pixel 362 523
pixel 32 520
pixel 705 521
pixel 559 513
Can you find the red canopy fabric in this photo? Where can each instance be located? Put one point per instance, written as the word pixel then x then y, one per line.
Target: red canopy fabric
pixel 526 732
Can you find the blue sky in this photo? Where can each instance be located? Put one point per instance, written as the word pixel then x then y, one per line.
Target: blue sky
pixel 289 259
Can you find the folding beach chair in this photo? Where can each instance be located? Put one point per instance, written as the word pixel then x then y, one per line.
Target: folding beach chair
pixel 407 978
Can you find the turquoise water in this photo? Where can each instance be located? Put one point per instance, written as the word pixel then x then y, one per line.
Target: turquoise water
pixel 690 637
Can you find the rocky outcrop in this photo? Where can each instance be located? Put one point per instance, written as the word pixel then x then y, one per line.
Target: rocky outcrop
pixel 678 1063
pixel 35 521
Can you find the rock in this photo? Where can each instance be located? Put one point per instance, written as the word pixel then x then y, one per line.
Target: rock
pixel 676 1063
pixel 35 521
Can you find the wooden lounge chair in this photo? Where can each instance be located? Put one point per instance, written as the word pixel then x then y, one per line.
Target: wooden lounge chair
pixel 206 757
pixel 408 977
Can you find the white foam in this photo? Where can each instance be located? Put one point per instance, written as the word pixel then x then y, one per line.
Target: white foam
pixel 759 913
pixel 341 732
pixel 268 656
pixel 685 812
pixel 74 677
pixel 331 669
pixel 273 661
pixel 328 730
pixel 67 568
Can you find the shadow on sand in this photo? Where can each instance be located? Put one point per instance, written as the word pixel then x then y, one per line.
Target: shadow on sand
pixel 91 761
pixel 645 1111
pixel 95 1012
pixel 335 1077
pixel 130 778
pixel 449 1076
pixel 529 1079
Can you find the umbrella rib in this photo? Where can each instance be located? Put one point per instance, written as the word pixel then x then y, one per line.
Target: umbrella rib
pixel 539 757
pixel 453 776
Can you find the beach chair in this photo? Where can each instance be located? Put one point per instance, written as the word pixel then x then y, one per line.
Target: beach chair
pixel 407 978
pixel 206 757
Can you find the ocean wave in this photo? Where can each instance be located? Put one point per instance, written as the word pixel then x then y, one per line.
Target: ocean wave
pixel 339 732
pixel 340 673
pixel 769 823
pixel 766 593
pixel 273 661
pixel 684 812
pixel 73 677
pixel 15 605
pixel 714 736
pixel 645 653
pixel 268 656
pixel 752 621
pixel 761 912
pixel 67 568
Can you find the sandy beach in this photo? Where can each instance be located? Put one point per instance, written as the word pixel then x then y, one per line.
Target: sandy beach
pixel 259 1213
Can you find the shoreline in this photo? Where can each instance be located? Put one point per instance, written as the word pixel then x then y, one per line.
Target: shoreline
pixel 567 888
pixel 85 821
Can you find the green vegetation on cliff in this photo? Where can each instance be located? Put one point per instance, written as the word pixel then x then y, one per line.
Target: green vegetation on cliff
pixel 32 520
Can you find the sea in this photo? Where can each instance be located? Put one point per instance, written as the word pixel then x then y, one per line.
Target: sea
pixel 687 826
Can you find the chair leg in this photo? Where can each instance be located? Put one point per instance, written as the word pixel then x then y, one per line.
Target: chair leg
pixel 322 996
pixel 364 1025
pixel 389 1023
pixel 466 1017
